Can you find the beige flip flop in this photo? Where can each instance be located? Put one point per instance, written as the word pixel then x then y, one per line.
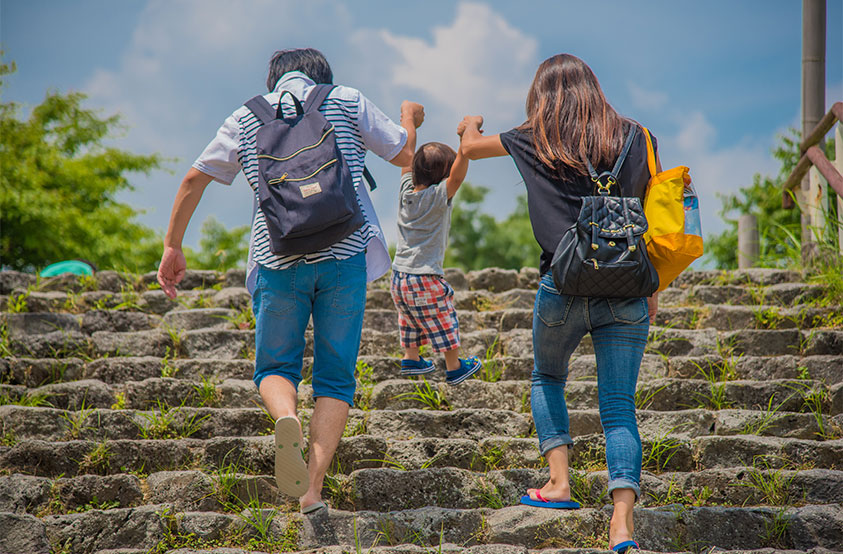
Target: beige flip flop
pixel 290 470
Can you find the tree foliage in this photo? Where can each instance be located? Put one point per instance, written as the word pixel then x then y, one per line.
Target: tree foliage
pixel 779 229
pixel 59 187
pixel 478 240
pixel 220 248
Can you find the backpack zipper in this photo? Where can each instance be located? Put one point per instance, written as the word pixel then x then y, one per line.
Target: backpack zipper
pixel 299 151
pixel 285 178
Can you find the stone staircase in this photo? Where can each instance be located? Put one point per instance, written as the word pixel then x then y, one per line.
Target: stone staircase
pixel 129 424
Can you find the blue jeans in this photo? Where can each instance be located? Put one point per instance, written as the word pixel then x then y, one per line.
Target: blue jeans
pixel 618 328
pixel 333 292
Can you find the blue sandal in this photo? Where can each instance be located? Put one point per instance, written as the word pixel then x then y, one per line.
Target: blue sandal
pixel 624 546
pixel 468 367
pixel 416 367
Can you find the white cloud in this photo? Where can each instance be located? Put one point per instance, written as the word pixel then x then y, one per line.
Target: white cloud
pixel 715 170
pixel 647 100
pixel 479 63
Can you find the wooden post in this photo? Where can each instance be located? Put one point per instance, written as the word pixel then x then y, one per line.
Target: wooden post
pixel 838 163
pixel 748 245
pixel 816 206
pixel 813 99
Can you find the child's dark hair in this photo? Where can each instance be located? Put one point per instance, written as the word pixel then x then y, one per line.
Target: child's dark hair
pixel 432 163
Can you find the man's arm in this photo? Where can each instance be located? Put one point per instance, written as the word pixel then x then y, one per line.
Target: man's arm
pixel 474 145
pixel 412 116
pixel 173 265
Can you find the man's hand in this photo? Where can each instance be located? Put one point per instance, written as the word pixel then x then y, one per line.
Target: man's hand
pixel 413 111
pixel 171 270
pixel 653 307
pixel 474 121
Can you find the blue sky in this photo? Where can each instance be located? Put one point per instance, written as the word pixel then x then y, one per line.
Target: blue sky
pixel 715 81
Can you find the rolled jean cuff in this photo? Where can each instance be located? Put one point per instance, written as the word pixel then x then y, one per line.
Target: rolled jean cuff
pixel 624 484
pixel 554 442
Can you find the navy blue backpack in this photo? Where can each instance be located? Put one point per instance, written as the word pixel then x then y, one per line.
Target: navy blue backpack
pixel 305 188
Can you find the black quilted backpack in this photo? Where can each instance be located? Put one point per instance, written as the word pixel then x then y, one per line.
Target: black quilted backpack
pixel 604 253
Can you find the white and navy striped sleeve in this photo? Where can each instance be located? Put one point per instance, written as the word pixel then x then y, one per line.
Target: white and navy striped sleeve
pixel 380 134
pixel 221 159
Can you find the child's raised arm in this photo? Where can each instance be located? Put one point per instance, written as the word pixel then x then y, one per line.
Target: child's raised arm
pixel 412 116
pixel 458 170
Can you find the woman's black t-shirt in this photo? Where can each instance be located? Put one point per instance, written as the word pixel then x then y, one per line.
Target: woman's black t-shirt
pixel 554 203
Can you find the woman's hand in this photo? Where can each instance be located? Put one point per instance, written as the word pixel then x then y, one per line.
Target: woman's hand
pixel 653 307
pixel 171 270
pixel 470 121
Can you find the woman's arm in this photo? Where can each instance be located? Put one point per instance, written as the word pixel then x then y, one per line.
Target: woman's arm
pixel 173 265
pixel 473 144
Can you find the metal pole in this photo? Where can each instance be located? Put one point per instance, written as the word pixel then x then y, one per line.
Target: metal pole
pixel 813 97
pixel 748 247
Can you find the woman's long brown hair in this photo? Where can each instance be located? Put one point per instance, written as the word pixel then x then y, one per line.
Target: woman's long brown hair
pixel 570 119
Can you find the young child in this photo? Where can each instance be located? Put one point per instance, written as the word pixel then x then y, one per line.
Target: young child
pixel 424 300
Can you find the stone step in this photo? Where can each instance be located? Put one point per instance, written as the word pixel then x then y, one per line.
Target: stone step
pixel 666 394
pixel 389 489
pixel 234 344
pixel 23 422
pixel 665 452
pixel 657 529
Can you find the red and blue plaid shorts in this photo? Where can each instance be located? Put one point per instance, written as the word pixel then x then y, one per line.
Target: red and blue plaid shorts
pixel 426 312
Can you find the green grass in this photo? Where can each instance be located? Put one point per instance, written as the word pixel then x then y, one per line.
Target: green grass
pixel 17 303
pixel 660 451
pixel 97 460
pixel 77 421
pixel 28 399
pixel 817 401
pixel 768 418
pixel 206 392
pixel 644 397
pixel 163 423
pixel 487 494
pixel 493 366
pixel 431 398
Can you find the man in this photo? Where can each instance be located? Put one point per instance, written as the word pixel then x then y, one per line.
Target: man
pixel 328 286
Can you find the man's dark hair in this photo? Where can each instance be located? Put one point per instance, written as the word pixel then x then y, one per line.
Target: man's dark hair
pixel 309 61
pixel 432 163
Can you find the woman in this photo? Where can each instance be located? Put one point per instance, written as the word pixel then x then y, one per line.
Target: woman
pixel 568 122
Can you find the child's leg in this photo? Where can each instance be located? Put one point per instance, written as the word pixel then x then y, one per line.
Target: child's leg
pixel 411 353
pixel 452 360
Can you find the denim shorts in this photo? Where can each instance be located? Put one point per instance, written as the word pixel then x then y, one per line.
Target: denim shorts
pixel 333 293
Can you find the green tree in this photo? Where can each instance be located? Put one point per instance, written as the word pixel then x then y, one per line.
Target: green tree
pixel 779 229
pixel 220 248
pixel 478 240
pixel 59 184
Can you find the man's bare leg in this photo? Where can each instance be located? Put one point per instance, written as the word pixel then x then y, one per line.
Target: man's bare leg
pixel 279 396
pixel 326 428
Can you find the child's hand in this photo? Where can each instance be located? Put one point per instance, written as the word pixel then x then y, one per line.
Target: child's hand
pixel 475 121
pixel 412 110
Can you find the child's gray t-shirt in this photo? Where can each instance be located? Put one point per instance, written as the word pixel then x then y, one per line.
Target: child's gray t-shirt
pixel 424 218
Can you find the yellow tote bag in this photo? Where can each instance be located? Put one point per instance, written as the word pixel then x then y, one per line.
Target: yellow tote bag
pixel 674 238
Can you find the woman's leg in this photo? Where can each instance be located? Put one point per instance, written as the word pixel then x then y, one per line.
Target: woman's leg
pixel 620 336
pixel 558 327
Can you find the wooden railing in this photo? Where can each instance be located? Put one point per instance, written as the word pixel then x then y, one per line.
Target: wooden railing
pixel 814 202
pixel 812 155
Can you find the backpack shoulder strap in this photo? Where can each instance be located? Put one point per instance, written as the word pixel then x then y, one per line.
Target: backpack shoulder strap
pixel 316 97
pixel 651 155
pixel 261 108
pixel 633 130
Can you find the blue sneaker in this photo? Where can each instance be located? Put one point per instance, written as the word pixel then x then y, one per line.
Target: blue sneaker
pixel 468 367
pixel 416 367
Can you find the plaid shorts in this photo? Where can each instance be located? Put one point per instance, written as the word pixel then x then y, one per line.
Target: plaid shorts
pixel 426 312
